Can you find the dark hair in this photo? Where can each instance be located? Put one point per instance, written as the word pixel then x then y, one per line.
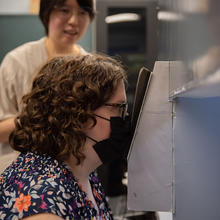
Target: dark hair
pixel 46 7
pixel 64 95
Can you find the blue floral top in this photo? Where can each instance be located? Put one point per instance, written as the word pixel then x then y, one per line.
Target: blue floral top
pixel 40 184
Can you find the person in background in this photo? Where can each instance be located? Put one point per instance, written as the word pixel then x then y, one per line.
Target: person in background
pixel 73 120
pixel 65 23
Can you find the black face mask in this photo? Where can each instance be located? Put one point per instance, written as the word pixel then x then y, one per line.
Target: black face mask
pixel 117 145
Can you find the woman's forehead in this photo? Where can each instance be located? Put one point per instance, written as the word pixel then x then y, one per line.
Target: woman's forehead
pixel 119 95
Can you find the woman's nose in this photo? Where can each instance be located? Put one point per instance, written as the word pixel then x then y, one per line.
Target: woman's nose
pixel 73 19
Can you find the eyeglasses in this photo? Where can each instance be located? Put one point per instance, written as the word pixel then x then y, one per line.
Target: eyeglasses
pixel 122 108
pixel 66 13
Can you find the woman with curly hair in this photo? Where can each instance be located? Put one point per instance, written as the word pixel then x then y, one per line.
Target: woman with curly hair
pixel 65 23
pixel 73 120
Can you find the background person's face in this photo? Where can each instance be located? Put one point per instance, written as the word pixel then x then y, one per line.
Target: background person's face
pixel 102 128
pixel 67 24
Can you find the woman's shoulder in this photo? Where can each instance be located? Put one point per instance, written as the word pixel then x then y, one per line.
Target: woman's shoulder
pixel 31 167
pixel 80 50
pixel 35 184
pixel 26 51
pixel 28 46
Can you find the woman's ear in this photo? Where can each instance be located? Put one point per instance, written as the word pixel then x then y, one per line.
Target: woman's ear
pixel 89 124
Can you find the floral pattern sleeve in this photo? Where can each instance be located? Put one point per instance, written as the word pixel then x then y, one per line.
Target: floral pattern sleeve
pixel 39 184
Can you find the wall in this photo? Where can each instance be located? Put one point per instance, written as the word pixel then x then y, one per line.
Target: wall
pixel 14 6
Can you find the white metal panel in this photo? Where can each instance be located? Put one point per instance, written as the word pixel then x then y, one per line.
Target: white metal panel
pixel 150 159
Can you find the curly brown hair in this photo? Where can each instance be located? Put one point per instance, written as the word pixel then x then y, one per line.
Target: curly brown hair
pixel 64 95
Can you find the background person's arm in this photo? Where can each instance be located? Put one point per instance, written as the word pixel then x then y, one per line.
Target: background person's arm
pixel 44 216
pixel 6 127
pixel 9 91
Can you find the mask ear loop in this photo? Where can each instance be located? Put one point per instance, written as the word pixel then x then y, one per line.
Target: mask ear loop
pixel 92 139
pixel 102 117
pixel 98 117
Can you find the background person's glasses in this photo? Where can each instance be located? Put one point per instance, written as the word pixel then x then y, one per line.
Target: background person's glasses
pixel 66 13
pixel 122 108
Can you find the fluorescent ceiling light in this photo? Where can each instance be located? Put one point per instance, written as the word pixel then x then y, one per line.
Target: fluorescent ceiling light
pixel 123 17
pixel 169 16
